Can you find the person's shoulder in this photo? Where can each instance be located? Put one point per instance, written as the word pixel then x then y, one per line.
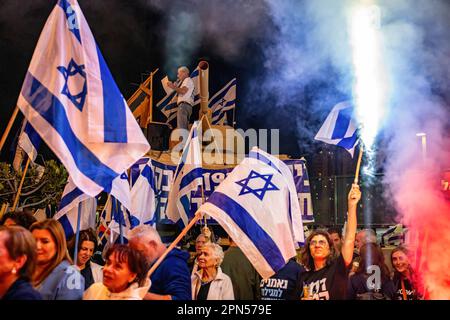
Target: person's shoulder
pixel 95 266
pixel 97 291
pixel 22 290
pixel 178 254
pixel 188 81
pixel 222 276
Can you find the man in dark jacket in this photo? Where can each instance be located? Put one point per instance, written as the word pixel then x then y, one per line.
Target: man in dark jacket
pixel 171 280
pixel 243 275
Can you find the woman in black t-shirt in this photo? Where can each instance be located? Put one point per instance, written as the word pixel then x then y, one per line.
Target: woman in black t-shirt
pixel 327 274
pixel 405 280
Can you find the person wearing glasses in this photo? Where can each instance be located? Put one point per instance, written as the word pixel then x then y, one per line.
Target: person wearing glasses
pixel 327 271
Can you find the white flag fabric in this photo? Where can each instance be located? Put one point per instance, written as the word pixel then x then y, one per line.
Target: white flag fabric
pixel 87 219
pixel 253 204
pixel 73 196
pixel 295 210
pixel 29 141
pixel 168 105
pixel 223 101
pixel 143 195
pixel 70 98
pixel 340 127
pixel 187 178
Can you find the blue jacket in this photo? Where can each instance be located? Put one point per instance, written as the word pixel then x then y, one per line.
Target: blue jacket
pixel 21 290
pixel 172 277
pixel 64 283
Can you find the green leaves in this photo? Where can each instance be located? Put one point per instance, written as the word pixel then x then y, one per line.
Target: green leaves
pixel 43 185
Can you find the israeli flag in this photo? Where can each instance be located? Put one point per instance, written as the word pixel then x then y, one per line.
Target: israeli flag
pixel 295 210
pixel 340 127
pixel 254 205
pixel 87 219
pixel 223 101
pixel 73 197
pixel 168 105
pixel 143 196
pixel 70 98
pixel 29 141
pixel 187 178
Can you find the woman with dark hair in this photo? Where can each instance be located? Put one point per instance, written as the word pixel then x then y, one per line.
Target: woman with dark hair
pixel 327 272
pixel 87 244
pixel 55 278
pixel 371 280
pixel 404 279
pixel 17 263
pixel 124 276
pixel 18 218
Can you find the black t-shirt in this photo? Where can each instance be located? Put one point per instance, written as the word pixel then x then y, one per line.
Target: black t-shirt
pixel 328 283
pixel 88 276
pixel 283 285
pixel 357 284
pixel 203 292
pixel 411 293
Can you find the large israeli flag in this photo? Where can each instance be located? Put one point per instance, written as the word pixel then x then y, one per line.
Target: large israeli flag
pixel 254 205
pixel 70 98
pixel 340 127
pixel 187 178
pixel 168 105
pixel 223 101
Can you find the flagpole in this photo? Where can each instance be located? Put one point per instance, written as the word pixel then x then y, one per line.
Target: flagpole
pixel 358 164
pixel 8 127
pixel 174 243
pixel 19 190
pixel 212 133
pixel 234 117
pixel 77 235
pixel 3 209
pixel 107 226
pixel 120 222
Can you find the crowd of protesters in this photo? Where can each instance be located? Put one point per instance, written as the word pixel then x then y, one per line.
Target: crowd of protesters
pixel 37 263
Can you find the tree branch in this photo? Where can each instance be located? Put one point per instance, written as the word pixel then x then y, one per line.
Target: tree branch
pixel 34 190
pixel 36 203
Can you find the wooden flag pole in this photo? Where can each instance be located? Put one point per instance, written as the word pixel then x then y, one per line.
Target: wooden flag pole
pixel 358 164
pixel 3 209
pixel 174 243
pixel 8 127
pixel 19 191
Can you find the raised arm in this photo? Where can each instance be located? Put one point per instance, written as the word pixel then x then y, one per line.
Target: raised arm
pixel 349 238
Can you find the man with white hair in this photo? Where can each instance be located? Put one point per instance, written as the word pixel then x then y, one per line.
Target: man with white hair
pixel 185 100
pixel 365 236
pixel 172 279
pixel 362 237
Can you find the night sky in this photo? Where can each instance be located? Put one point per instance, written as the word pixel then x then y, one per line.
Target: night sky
pixel 289 76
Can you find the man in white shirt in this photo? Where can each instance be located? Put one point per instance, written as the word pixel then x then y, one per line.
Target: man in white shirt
pixel 185 100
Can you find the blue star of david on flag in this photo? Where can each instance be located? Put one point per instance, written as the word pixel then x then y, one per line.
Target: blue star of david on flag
pixel 258 192
pixel 72 70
